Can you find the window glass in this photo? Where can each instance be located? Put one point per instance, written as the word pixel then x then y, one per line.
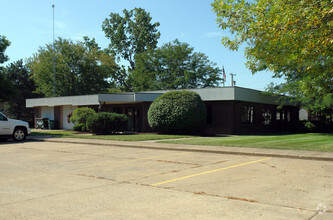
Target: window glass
pixel 278 116
pixel 288 115
pixel 247 115
pixel 2 118
pixel 267 116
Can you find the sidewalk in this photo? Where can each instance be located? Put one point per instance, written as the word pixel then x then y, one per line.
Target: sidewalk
pixel 308 155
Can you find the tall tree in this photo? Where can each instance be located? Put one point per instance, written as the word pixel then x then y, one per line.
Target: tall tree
pixel 18 74
pixel 131 34
pixel 6 87
pixel 292 38
pixel 4 43
pixel 174 65
pixel 78 68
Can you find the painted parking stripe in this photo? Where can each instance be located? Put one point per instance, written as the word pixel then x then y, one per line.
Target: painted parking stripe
pixel 210 171
pixel 149 158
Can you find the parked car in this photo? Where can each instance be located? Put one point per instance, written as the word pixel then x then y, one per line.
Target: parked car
pixel 11 128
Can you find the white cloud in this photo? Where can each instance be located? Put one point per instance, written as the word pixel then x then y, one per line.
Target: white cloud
pixel 60 25
pixel 213 34
pixel 78 36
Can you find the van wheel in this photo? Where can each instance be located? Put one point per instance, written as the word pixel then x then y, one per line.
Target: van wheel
pixel 19 134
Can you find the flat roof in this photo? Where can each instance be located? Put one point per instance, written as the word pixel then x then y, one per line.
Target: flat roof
pixel 206 94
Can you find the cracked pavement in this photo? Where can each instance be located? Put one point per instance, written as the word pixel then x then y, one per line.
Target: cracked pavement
pixel 79 181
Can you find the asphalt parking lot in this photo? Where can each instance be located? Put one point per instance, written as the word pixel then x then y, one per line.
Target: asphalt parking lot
pixel 48 180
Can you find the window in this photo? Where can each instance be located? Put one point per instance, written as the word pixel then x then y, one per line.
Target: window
pixel 267 116
pixel 2 117
pixel 288 115
pixel 278 116
pixel 247 115
pixel 283 115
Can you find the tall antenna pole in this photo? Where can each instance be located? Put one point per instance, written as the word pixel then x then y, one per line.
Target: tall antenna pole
pixel 232 79
pixel 224 77
pixel 54 75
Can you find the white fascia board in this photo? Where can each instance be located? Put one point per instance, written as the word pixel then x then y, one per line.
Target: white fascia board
pixel 85 100
pixel 235 94
pixel 250 95
pixel 206 94
pixel 66 100
pixel 124 97
pixel 146 97
pixel 216 94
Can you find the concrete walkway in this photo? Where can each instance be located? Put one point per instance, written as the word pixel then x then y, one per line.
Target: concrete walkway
pixel 308 155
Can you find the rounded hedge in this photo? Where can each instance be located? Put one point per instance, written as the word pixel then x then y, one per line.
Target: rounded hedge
pixel 79 127
pixel 178 111
pixel 106 123
pixel 80 115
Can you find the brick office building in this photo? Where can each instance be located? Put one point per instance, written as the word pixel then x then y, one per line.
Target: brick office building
pixel 230 110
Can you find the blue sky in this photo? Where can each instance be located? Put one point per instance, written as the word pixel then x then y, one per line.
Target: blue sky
pixel 28 25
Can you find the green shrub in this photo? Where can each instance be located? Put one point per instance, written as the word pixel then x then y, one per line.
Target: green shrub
pixel 106 123
pixel 177 112
pixel 310 126
pixel 80 115
pixel 80 127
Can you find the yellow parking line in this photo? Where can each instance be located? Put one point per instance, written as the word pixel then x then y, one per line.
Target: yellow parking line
pixel 148 158
pixel 211 171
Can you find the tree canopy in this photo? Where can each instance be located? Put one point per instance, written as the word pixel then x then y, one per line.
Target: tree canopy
pixel 23 86
pixel 6 87
pixel 174 65
pixel 4 43
pixel 131 34
pixel 72 68
pixel 291 38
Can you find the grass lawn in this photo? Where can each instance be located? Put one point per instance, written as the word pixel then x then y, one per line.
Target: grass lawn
pixel 129 137
pixel 311 141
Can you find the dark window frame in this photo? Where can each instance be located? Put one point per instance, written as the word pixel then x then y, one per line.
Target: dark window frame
pixel 247 115
pixel 266 116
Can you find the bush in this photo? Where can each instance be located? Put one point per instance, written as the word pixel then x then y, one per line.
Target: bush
pixel 310 126
pixel 318 126
pixel 106 123
pixel 80 115
pixel 80 127
pixel 177 112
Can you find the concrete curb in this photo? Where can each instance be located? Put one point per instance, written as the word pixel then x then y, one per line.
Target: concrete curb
pixel 304 155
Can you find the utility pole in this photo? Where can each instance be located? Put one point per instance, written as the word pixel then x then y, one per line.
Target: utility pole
pixel 54 74
pixel 224 77
pixel 233 83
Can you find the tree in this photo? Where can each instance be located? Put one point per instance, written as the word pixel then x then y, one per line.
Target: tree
pixel 131 34
pixel 6 87
pixel 291 38
pixel 174 65
pixel 177 111
pixel 72 68
pixel 4 43
pixel 19 76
